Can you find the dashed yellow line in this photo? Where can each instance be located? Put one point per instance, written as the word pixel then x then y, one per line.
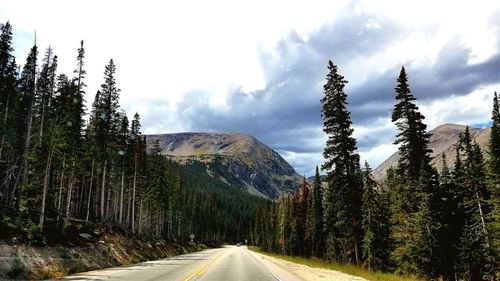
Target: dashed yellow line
pixel 199 272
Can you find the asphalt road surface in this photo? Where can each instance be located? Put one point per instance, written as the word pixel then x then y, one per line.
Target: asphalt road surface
pixel 229 263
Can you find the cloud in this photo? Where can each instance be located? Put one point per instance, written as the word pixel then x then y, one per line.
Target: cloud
pixel 285 114
pixel 259 68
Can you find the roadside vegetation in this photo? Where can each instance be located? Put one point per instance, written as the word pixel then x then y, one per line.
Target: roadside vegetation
pixel 345 268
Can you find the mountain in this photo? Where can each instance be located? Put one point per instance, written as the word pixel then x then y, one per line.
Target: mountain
pixel 442 140
pixel 312 178
pixel 237 159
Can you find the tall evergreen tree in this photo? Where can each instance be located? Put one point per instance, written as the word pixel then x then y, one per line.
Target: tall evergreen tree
pixel 375 225
pixel 412 137
pixel 8 77
pixel 300 206
pixel 6 56
pixel 415 186
pixel 107 123
pixel 9 109
pixel 495 141
pixel 450 216
pixel 80 70
pixel 494 176
pixel 477 257
pixel 45 86
pixel 25 127
pixel 343 195
pixel 135 135
pixel 316 217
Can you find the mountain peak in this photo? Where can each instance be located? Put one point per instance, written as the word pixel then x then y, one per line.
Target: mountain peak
pixel 204 143
pixel 442 139
pixel 236 158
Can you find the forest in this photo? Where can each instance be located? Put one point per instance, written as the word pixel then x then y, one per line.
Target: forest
pixel 436 226
pixel 62 167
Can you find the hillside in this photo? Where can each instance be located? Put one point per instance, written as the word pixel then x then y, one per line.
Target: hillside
pixel 442 140
pixel 235 158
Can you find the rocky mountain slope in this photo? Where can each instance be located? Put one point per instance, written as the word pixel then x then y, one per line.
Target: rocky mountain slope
pixel 442 141
pixel 234 158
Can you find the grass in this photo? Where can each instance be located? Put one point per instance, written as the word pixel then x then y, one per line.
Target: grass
pixel 345 268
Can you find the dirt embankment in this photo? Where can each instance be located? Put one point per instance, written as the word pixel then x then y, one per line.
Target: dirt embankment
pixel 21 261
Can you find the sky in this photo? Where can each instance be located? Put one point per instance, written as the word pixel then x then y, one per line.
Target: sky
pixel 259 67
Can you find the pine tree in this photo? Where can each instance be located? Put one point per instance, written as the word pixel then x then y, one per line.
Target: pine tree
pixel 476 257
pixel 9 112
pixel 123 142
pixel 412 138
pixel 376 231
pixel 343 195
pixel 135 135
pixel 80 71
pixel 6 56
pixel 414 188
pixel 495 140
pixel 107 123
pixel 300 206
pixel 493 173
pixel 8 85
pixel 315 217
pixel 426 224
pixel 45 86
pixel 25 197
pixel 450 217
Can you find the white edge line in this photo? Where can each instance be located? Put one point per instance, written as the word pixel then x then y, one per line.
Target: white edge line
pixel 267 268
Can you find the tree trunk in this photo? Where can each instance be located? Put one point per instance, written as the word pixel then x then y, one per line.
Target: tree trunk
pixel 90 191
pixel 178 225
pixel 133 194
pixel 121 197
pixel 45 186
pixel 68 196
pixel 43 109
pixel 81 197
pixel 356 242
pixel 103 188
pixel 27 145
pixel 108 200
pixel 68 202
pixel 140 216
pixel 483 224
pixel 129 204
pixel 61 185
pixel 5 117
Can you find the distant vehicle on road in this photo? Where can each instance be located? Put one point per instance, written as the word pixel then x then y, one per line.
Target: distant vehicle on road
pixel 238 244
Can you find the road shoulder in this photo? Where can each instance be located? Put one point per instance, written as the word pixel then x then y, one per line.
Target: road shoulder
pixel 304 272
pixel 278 271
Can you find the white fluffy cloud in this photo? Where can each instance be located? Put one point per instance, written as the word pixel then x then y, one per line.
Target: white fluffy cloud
pixel 225 65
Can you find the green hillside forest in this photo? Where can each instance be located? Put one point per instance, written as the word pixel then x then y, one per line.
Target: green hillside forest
pixel 59 171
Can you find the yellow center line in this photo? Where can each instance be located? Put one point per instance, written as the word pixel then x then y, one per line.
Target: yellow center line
pixel 200 271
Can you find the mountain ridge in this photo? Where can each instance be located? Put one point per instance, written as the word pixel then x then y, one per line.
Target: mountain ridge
pixel 442 140
pixel 236 158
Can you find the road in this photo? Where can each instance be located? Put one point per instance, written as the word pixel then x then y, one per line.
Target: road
pixel 227 263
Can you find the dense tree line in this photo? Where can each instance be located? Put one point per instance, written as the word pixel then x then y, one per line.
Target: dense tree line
pixel 418 222
pixel 58 170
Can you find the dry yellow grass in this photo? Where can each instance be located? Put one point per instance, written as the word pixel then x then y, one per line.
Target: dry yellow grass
pixel 345 268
